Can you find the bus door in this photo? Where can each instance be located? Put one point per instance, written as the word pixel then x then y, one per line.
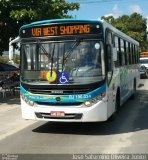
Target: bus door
pixel 110 68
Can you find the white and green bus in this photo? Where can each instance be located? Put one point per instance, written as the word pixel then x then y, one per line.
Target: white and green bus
pixel 76 70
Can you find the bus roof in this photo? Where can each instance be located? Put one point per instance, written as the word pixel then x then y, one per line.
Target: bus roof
pixel 58 21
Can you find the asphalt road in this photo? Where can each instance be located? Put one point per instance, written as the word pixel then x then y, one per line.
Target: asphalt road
pixel 126 135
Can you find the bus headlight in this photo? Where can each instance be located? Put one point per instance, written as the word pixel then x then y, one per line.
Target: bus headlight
pixel 94 100
pixel 88 103
pixel 29 102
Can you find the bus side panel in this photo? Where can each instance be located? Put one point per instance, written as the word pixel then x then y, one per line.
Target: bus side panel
pixel 126 82
pixel 112 91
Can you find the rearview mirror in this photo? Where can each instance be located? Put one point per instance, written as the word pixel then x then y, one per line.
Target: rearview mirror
pixel 109 57
pixel 114 54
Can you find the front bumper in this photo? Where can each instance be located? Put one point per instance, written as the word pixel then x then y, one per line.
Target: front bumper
pixel 79 113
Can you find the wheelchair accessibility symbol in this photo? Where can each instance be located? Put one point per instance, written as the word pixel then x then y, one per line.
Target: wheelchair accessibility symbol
pixel 63 77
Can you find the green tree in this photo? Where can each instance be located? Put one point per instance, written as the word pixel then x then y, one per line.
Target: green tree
pixel 14 14
pixel 133 25
pixel 4 59
pixel 7 25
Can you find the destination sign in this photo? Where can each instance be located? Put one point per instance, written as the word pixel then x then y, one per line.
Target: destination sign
pixel 59 30
pixel 144 54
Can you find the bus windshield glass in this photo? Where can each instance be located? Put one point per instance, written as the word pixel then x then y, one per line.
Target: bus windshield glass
pixel 62 62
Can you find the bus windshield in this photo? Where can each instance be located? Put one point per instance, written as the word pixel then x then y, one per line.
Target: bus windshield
pixel 73 62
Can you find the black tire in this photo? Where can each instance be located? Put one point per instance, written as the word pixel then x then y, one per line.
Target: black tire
pixel 134 90
pixel 146 74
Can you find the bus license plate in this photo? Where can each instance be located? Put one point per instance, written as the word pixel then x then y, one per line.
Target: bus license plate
pixel 57 113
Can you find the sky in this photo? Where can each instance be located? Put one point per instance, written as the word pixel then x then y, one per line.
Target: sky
pixel 95 9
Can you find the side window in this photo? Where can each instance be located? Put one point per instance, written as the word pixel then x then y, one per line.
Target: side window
pixel 132 54
pixel 127 52
pixel 137 54
pixel 130 51
pixel 117 48
pixel 109 50
pixel 122 52
pixel 120 55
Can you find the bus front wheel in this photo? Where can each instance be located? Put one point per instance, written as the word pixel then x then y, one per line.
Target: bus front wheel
pixel 134 90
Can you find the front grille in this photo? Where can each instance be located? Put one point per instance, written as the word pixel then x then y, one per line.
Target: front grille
pixel 67 116
pixel 62 89
pixel 59 92
pixel 59 104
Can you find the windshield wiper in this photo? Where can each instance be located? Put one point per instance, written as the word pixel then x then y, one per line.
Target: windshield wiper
pixel 43 49
pixel 52 60
pixel 75 45
pixel 68 53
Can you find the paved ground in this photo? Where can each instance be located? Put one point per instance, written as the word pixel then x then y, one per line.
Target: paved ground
pixel 10 116
pixel 126 135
